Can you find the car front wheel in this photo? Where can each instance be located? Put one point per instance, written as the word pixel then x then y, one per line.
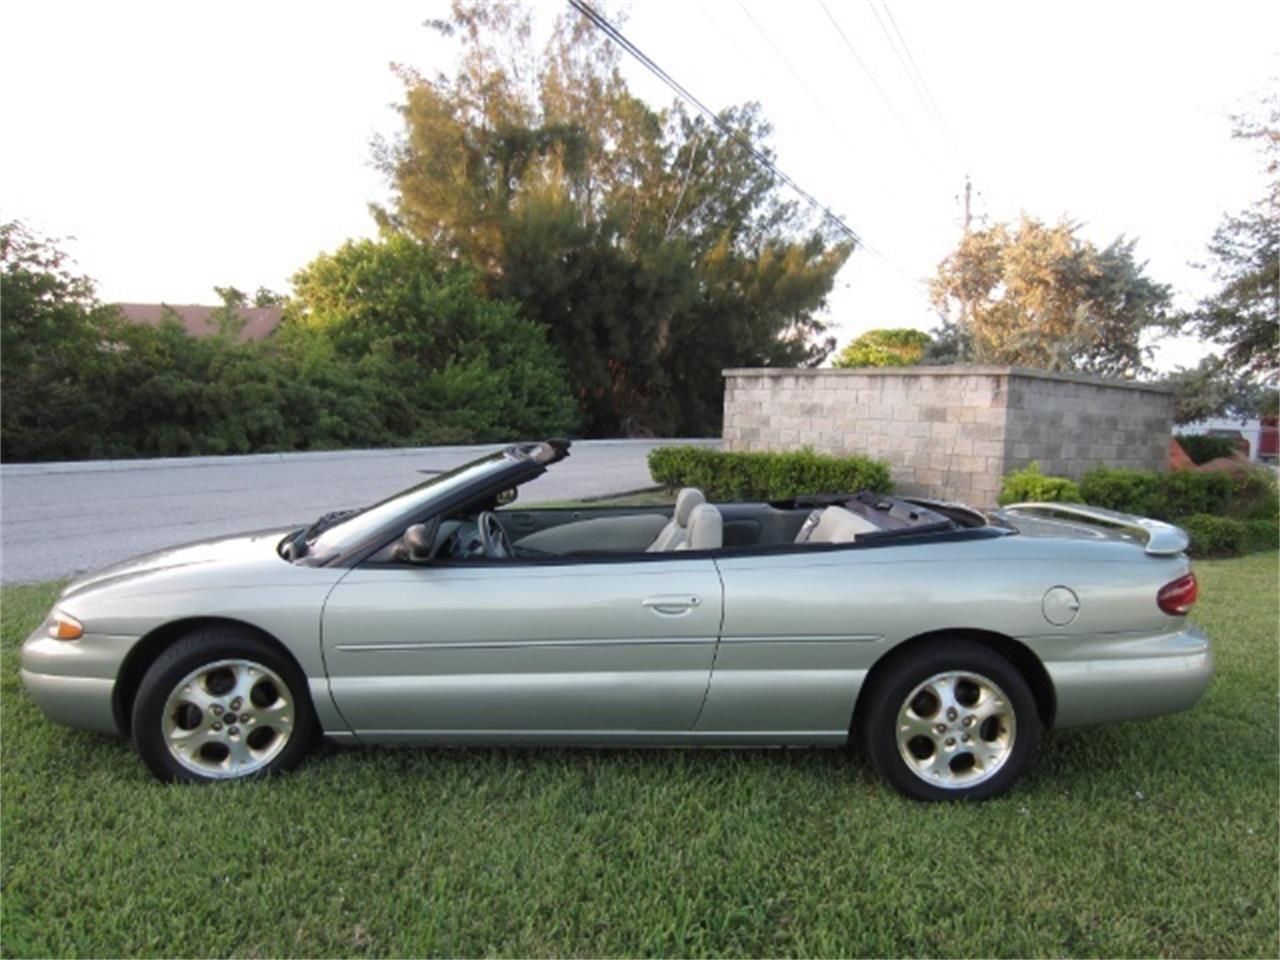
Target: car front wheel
pixel 221 704
pixel 953 722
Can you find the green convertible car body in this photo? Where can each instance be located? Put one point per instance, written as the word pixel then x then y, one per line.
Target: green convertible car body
pixel 946 638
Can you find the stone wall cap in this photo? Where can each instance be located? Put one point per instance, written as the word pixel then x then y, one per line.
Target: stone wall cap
pixel 950 370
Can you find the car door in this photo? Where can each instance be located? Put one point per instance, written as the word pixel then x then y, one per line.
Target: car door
pixel 800 632
pixel 508 651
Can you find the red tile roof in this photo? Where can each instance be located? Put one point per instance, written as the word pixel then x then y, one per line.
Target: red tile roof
pixel 259 321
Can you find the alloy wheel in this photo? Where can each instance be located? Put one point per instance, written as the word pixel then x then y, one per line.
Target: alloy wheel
pixel 228 719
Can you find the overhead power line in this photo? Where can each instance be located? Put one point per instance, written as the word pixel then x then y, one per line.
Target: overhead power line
pixel 925 98
pixel 906 128
pixel 817 101
pixel 612 32
pixel 931 103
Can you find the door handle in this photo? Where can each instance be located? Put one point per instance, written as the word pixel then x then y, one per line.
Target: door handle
pixel 672 604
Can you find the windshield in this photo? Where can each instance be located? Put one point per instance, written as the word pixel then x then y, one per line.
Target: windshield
pixel 365 523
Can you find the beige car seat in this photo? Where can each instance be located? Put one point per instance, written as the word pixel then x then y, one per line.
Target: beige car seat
pixel 706 529
pixel 675 532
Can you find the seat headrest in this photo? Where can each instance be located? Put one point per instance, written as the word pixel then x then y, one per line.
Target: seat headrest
pixel 706 529
pixel 689 498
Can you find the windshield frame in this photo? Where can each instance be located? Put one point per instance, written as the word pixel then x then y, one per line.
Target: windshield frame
pixel 348 542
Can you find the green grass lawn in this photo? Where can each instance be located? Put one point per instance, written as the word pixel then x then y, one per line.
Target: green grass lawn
pixel 1152 838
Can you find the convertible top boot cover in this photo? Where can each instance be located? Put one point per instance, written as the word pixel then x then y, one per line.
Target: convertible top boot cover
pixel 675 532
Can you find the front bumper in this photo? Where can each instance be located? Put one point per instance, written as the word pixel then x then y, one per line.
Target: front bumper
pixel 73 681
pixel 1132 678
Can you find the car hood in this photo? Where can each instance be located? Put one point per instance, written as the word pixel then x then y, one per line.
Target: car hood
pixel 237 550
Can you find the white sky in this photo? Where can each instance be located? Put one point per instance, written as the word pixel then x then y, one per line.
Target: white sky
pixel 187 145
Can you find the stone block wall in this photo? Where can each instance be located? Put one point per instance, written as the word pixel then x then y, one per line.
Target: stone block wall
pixel 951 432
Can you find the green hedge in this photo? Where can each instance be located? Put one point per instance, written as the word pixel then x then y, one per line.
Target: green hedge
pixel 1228 537
pixel 1032 484
pixel 1246 495
pixel 1202 448
pixel 765 476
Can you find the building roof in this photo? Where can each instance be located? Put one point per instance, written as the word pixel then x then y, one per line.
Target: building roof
pixel 259 321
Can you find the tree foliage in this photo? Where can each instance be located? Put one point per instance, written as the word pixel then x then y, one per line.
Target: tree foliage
pixel 50 331
pixel 361 361
pixel 654 248
pixel 886 347
pixel 449 364
pixel 1212 389
pixel 1243 315
pixel 1040 296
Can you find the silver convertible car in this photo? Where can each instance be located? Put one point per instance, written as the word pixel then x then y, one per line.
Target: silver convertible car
pixel 945 638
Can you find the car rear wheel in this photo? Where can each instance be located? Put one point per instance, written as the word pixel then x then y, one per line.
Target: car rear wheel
pixel 952 722
pixel 221 704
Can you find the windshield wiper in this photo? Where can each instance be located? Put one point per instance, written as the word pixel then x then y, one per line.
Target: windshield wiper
pixel 297 545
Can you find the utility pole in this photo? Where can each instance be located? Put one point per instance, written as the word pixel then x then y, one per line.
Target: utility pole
pixel 968 219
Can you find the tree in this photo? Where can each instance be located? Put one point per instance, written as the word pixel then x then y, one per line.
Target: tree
pixel 51 332
pixel 654 248
pixel 1040 296
pixel 385 346
pixel 1244 314
pixel 886 347
pixel 232 297
pixel 446 363
pixel 1210 389
pixel 265 297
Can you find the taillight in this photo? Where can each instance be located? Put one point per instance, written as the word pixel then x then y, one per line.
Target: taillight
pixel 1176 598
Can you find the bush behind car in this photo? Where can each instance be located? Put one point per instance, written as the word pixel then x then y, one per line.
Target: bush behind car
pixel 729 476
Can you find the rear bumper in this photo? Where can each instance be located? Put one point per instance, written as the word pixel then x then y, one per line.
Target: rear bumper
pixel 1137 677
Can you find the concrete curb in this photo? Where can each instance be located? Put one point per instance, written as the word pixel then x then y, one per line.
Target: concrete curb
pixel 245 459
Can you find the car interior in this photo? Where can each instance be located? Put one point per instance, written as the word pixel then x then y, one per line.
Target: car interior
pixel 489 531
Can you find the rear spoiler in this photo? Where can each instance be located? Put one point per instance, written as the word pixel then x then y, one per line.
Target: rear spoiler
pixel 1161 539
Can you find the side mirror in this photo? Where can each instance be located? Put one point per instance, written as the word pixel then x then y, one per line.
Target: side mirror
pixel 507 496
pixel 417 542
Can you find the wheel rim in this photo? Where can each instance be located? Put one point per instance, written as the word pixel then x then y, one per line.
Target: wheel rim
pixel 228 719
pixel 956 730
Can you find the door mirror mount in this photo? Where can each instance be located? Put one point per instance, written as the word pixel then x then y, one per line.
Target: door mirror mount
pixel 417 542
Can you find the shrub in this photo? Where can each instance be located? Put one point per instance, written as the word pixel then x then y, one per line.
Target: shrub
pixel 1261 535
pixel 1202 448
pixel 386 344
pixel 1130 491
pixel 1254 495
pixel 1163 496
pixel 765 476
pixel 1228 537
pixel 1032 484
pixel 1214 536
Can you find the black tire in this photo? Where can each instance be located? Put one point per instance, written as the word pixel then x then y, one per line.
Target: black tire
pixel 904 675
pixel 205 648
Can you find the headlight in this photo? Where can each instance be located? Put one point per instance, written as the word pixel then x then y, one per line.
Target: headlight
pixel 64 627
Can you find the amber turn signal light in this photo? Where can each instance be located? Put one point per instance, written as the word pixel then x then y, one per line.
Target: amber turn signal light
pixel 63 627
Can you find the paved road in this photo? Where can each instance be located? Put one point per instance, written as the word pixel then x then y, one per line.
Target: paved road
pixel 61 519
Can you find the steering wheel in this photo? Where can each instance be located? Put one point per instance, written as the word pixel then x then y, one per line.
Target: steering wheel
pixel 493 539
